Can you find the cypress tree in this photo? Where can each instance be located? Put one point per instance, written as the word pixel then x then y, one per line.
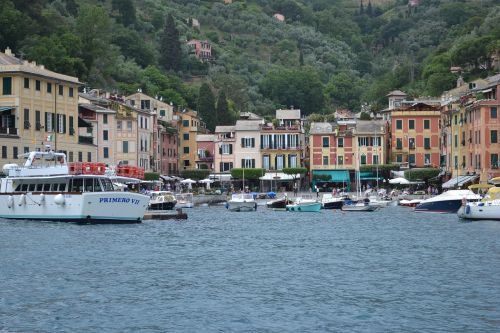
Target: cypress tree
pixel 369 9
pixel 361 9
pixel 223 116
pixel 206 107
pixel 170 46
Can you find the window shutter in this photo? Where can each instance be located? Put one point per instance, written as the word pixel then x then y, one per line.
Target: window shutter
pixel 253 142
pixel 230 149
pixel 58 122
pixel 242 142
pixel 46 122
pixel 64 123
pixel 54 122
pixel 242 162
pixel 220 150
pixel 253 163
pixel 220 167
pixel 261 142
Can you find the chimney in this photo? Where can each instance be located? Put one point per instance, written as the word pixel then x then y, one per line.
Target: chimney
pixel 8 51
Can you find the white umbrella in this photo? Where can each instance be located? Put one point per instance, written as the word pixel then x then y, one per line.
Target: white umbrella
pixel 206 181
pixel 400 181
pixel 189 182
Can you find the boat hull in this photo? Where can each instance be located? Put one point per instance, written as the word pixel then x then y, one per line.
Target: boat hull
pixel 445 206
pixel 479 211
pixel 359 208
pixel 278 204
pixel 304 207
pixel 91 207
pixel 241 206
pixel 162 206
pixel 333 204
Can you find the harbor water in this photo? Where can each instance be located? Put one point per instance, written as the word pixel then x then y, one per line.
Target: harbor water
pixel 392 270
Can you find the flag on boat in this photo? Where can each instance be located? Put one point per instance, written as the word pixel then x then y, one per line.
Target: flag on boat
pixel 49 138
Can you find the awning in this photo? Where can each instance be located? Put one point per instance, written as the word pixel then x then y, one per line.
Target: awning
pixel 459 181
pixel 336 176
pixel 224 177
pixel 6 108
pixel 83 123
pixel 367 175
pixel 278 176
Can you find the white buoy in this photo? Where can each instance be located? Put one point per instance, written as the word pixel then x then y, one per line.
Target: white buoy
pixel 59 199
pixel 10 201
pixel 42 198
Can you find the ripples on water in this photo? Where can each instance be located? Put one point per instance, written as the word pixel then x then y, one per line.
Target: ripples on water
pixel 388 271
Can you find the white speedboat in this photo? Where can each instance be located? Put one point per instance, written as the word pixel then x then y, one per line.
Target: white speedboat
pixel 359 206
pixel 184 200
pixel 486 209
pixel 47 188
pixel 329 201
pixel 447 202
pixel 161 200
pixel 241 202
pixel 304 205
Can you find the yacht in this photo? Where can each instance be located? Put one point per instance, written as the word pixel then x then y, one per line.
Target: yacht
pixel 329 201
pixel 47 188
pixel 279 203
pixel 486 209
pixel 447 202
pixel 241 202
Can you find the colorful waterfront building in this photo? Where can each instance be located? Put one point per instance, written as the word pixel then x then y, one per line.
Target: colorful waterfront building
pixel 189 126
pixel 415 132
pixel 469 143
pixel 37 107
pixel 206 151
pixel 225 142
pixel 247 148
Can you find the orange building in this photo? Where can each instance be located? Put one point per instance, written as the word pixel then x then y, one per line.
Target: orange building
pixel 415 135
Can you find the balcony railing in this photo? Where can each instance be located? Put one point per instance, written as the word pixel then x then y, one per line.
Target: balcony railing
pixel 86 140
pixel 281 128
pixel 8 130
pixel 206 159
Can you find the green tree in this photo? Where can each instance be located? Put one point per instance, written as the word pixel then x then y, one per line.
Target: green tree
pixel 126 11
pixel 15 24
pixel 206 107
pixel 344 90
pixel 170 46
pixel 300 88
pixel 222 111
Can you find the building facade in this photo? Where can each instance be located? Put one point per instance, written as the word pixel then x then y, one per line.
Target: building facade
pixel 37 107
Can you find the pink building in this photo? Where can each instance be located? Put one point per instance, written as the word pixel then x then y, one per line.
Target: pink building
pixel 201 49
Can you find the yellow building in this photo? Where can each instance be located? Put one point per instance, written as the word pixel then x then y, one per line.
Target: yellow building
pixel 38 107
pixel 189 125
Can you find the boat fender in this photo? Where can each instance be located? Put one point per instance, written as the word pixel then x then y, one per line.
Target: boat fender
pixel 22 200
pixel 227 205
pixel 59 199
pixel 10 201
pixel 255 206
pixel 464 201
pixel 467 209
pixel 42 198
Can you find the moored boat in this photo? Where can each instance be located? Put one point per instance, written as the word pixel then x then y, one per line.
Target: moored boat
pixel 241 202
pixel 447 202
pixel 486 209
pixel 161 200
pixel 47 188
pixel 279 203
pixel 304 205
pixel 329 201
pixel 184 200
pixel 359 206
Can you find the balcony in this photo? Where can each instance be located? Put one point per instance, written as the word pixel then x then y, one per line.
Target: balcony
pixel 88 140
pixel 10 131
pixel 206 159
pixel 293 128
pixel 427 147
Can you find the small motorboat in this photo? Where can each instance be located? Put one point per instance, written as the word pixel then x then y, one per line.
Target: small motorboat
pixel 279 203
pixel 409 203
pixel 447 202
pixel 304 205
pixel 329 201
pixel 184 200
pixel 242 202
pixel 161 200
pixel 359 206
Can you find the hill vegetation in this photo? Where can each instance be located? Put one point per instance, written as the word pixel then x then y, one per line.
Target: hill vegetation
pixel 327 54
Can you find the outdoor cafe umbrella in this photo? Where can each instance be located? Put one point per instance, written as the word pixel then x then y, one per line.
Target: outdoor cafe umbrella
pixel 400 181
pixel 206 181
pixel 189 182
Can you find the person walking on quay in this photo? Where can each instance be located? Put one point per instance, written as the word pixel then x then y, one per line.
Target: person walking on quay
pixel 295 189
pixel 317 190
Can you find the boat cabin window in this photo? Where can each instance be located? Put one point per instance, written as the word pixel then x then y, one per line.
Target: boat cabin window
pixel 31 187
pixel 107 185
pixel 46 187
pixel 39 187
pixel 76 185
pixel 62 187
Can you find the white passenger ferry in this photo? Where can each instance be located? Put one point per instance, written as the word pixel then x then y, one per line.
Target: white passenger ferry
pixel 47 188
